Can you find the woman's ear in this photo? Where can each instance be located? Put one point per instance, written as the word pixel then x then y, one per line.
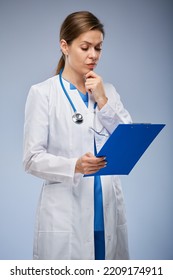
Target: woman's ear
pixel 64 47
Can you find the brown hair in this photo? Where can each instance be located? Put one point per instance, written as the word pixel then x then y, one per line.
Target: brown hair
pixel 74 25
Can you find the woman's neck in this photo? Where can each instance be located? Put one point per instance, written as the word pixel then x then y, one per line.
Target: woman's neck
pixel 74 78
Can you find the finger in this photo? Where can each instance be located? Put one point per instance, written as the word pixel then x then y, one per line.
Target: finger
pixel 90 80
pixel 89 87
pixel 100 158
pixel 90 160
pixel 96 166
pixel 90 74
pixel 90 157
pixel 89 154
pixel 95 161
pixel 93 169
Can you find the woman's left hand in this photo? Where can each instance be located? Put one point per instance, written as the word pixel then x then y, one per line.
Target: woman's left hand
pixel 94 85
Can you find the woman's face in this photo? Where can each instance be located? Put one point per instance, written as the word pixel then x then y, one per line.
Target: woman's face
pixel 84 53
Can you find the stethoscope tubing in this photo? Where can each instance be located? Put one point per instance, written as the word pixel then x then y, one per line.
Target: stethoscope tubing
pixel 66 93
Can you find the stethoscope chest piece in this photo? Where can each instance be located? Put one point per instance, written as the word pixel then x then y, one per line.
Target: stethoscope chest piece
pixel 77 118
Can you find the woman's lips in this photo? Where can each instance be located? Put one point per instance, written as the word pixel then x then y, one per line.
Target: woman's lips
pixel 91 65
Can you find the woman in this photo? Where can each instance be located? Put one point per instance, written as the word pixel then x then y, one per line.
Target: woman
pixel 67 119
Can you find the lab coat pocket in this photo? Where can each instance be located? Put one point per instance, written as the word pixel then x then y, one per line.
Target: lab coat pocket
pixel 53 246
pixel 122 249
pixel 55 208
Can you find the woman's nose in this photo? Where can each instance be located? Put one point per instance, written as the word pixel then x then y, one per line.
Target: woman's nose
pixel 92 53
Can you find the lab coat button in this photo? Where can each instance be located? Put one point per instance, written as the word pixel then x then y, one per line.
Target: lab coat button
pixel 108 237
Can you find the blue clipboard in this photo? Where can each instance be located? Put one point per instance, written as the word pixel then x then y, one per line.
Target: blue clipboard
pixel 125 146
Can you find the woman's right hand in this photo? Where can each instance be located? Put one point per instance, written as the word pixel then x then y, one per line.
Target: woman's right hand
pixel 88 164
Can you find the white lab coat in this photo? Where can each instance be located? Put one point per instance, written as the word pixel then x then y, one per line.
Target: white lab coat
pixel 52 145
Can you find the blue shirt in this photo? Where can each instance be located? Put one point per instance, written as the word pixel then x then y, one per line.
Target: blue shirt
pixel 98 198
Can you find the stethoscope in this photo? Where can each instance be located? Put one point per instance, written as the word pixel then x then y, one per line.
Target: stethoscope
pixel 77 117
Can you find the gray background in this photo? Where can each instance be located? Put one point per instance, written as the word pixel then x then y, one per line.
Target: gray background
pixel 137 59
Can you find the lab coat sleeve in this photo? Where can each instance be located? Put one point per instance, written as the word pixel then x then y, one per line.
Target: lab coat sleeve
pixel 36 160
pixel 113 112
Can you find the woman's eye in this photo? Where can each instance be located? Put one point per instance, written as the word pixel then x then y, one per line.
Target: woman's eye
pixel 98 49
pixel 84 48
